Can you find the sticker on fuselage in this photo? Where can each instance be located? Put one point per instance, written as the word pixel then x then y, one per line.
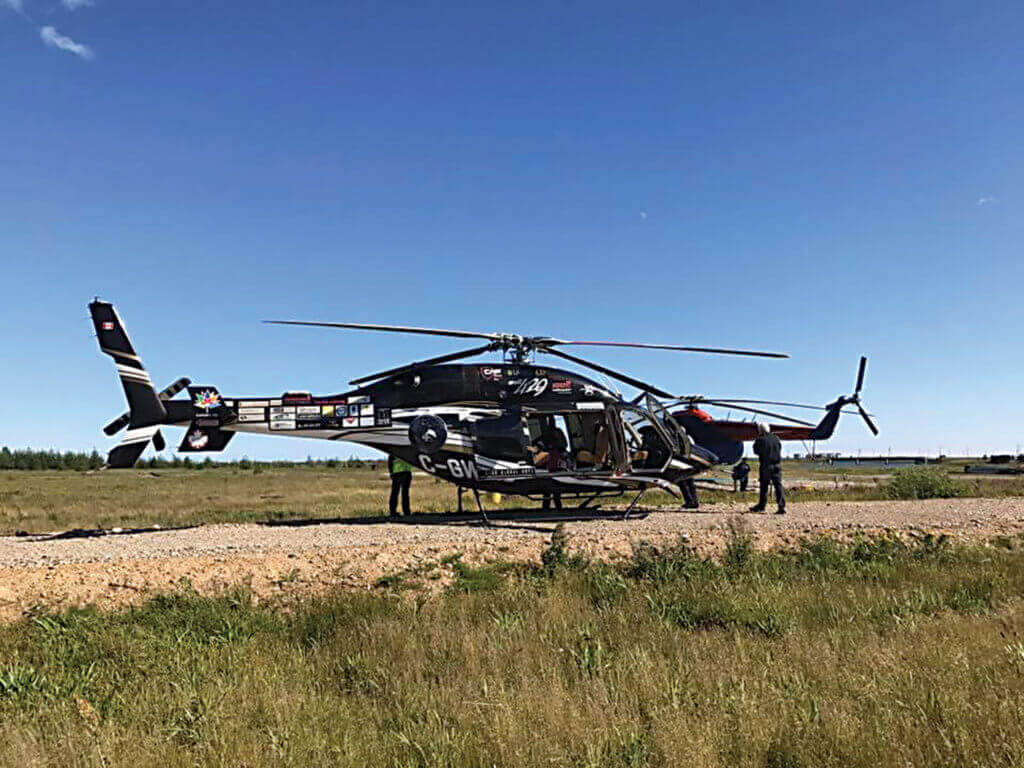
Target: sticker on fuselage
pixel 459 469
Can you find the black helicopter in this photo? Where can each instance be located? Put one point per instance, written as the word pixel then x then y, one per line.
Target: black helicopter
pixel 513 427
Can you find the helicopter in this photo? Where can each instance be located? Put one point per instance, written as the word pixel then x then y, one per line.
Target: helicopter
pixel 514 427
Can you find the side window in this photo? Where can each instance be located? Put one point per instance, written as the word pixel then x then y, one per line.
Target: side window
pixel 501 438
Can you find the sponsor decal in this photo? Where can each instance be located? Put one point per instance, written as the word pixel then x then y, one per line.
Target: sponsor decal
pixel 253 403
pixel 214 422
pixel 290 424
pixel 108 325
pixel 590 406
pixel 282 411
pixel 351 421
pixel 359 399
pixel 490 374
pixel 366 410
pixel 589 390
pixel 251 411
pixel 207 399
pixel 275 402
pixel 366 421
pixel 243 417
pixel 327 410
pixel 383 417
pixel 353 410
pixel 511 472
pixel 563 387
pixel 229 403
pixel 198 439
pixel 535 387
pixel 308 410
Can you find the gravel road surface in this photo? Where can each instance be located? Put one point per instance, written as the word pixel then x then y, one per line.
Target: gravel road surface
pixel 113 569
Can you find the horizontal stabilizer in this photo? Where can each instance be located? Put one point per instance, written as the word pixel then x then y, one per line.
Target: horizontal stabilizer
pixel 134 442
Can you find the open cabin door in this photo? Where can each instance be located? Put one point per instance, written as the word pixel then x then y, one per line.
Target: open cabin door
pixel 678 437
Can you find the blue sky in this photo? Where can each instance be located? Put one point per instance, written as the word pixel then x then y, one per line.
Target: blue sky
pixel 828 180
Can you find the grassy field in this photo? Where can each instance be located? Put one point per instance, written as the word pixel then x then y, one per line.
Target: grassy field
pixel 52 500
pixel 876 654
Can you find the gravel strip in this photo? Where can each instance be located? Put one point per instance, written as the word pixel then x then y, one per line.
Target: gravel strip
pixel 991 515
pixel 282 562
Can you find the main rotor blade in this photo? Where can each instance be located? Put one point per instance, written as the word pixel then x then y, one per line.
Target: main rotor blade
pixel 393 329
pixel 860 375
pixel 609 372
pixel 763 402
pixel 730 402
pixel 868 421
pixel 763 413
pixel 672 347
pixel 422 363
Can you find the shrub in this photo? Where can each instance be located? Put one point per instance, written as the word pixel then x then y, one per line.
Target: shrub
pixel 922 483
pixel 556 554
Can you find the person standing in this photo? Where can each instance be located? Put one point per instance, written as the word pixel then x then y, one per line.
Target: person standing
pixel 768 448
pixel 689 489
pixel 740 476
pixel 401 481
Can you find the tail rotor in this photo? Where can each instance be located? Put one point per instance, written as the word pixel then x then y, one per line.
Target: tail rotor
pixel 854 399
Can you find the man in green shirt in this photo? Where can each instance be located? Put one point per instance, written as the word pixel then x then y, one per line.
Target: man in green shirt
pixel 401 480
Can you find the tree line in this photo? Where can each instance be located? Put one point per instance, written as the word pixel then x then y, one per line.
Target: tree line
pixel 75 461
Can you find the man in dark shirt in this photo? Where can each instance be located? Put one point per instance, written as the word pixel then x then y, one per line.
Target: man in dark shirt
pixel 768 448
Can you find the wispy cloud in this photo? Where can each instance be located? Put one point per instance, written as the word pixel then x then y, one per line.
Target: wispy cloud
pixel 643 215
pixel 14 5
pixel 986 200
pixel 72 5
pixel 55 39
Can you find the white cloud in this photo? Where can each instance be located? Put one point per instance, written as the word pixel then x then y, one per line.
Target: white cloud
pixel 72 5
pixel 14 5
pixel 55 39
pixel 643 214
pixel 986 200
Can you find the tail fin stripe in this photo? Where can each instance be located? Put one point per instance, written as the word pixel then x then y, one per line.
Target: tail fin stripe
pixel 117 353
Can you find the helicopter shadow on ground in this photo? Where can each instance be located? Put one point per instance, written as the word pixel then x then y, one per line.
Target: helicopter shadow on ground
pixel 519 519
pixel 95 533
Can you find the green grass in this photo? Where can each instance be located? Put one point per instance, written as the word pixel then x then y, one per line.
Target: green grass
pixel 876 653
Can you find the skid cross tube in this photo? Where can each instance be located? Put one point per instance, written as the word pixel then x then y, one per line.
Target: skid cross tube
pixel 625 515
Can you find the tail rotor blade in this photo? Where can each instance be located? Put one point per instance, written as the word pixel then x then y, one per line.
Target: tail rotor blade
pixel 867 420
pixel 860 375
